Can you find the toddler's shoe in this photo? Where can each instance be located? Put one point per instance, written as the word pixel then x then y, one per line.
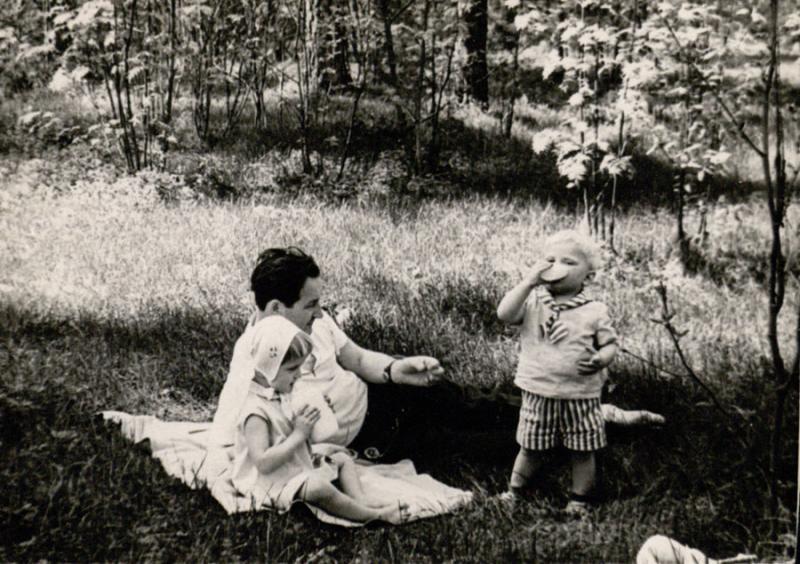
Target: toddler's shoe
pixel 508 498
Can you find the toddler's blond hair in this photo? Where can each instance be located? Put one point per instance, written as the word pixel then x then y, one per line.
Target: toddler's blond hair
pixel 589 248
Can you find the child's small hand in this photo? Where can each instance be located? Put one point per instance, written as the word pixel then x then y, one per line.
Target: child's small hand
pixel 534 276
pixel 591 365
pixel 305 419
pixel 558 331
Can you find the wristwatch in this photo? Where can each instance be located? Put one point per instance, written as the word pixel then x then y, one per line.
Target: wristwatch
pixel 387 372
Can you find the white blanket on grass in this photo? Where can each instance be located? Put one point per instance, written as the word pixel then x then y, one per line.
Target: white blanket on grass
pixel 182 449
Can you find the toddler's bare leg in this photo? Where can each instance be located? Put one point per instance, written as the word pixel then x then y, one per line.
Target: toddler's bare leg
pixel 584 470
pixel 325 496
pixel 525 466
pixel 351 483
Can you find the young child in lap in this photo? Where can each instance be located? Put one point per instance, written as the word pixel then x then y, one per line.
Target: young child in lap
pixel 273 460
pixel 566 343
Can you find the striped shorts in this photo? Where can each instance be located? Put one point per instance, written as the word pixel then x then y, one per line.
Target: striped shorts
pixel 545 423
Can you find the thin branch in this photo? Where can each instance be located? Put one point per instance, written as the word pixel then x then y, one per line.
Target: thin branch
pixel 399 12
pixel 448 73
pixel 675 335
pixel 348 141
pixel 730 419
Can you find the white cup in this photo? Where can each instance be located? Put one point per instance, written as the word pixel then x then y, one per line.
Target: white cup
pixel 554 273
pixel 327 425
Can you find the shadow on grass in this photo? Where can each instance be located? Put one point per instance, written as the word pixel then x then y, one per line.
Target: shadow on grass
pixel 75 490
pixel 472 161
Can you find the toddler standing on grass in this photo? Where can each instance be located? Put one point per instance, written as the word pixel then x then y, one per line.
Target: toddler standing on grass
pixel 566 343
pixel 273 459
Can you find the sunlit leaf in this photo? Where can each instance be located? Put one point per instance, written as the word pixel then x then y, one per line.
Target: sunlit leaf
pixel 719 157
pixel 545 139
pixel 27 119
pixel 91 12
pixel 757 18
pixel 522 21
pixel 63 18
pixel 576 99
pixel 677 92
pixel 574 167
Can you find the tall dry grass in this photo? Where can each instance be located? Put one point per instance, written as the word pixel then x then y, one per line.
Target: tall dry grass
pixel 110 248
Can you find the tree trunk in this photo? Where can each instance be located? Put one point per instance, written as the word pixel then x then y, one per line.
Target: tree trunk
pixel 476 71
pixel 388 41
pixel 171 65
pixel 509 41
pixel 775 179
pixel 420 92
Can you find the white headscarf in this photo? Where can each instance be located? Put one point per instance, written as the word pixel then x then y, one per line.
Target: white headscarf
pixel 271 340
pixel 265 343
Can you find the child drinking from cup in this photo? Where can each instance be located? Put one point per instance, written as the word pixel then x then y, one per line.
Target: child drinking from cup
pixel 566 343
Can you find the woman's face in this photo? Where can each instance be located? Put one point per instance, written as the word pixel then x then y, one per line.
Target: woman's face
pixel 287 375
pixel 307 308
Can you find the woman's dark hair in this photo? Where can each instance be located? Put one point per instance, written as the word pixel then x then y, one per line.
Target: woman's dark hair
pixel 280 274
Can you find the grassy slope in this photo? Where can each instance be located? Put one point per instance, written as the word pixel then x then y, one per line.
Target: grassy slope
pixel 110 299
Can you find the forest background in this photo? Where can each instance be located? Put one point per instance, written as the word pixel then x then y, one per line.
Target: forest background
pixel 420 151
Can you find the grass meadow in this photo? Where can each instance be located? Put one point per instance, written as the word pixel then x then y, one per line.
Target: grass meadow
pixel 128 292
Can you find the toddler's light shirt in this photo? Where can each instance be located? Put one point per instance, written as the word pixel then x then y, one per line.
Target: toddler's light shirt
pixel 278 488
pixel 551 369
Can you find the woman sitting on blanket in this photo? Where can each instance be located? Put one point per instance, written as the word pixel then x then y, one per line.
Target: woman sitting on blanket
pixel 273 459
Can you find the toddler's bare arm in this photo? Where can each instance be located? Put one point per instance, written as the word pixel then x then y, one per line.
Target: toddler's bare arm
pixel 598 360
pixel 512 307
pixel 268 457
pixel 606 354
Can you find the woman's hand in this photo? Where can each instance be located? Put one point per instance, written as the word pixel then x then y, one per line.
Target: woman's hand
pixel 305 419
pixel 417 371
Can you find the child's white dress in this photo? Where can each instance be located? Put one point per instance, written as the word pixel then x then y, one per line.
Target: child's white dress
pixel 279 488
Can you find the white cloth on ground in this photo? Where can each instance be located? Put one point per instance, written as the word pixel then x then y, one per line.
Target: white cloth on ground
pixel 188 452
